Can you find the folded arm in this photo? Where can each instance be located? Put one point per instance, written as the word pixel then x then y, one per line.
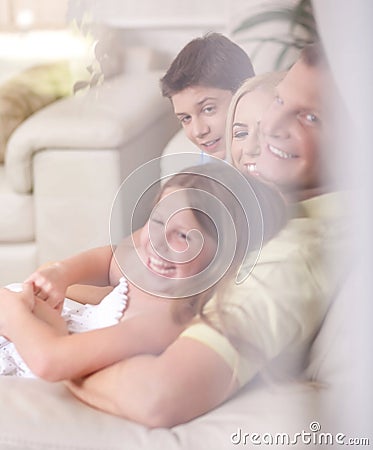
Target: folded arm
pixel 53 354
pixel 188 379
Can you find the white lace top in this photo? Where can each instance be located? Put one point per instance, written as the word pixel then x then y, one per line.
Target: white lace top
pixel 78 317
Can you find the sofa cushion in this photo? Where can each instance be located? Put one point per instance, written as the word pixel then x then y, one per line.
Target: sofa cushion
pixel 178 144
pixel 40 415
pixel 17 261
pixel 16 212
pixel 340 358
pixel 332 352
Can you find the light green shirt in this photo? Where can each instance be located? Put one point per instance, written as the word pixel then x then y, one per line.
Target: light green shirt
pixel 278 309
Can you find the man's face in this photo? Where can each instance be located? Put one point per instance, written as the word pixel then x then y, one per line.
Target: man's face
pixel 202 112
pixel 291 130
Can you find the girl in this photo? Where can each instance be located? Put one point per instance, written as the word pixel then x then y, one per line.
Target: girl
pixel 171 268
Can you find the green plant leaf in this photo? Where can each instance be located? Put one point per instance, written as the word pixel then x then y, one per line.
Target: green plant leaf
pixel 96 78
pixel 300 19
pixel 281 57
pixel 284 14
pixel 79 85
pixel 306 20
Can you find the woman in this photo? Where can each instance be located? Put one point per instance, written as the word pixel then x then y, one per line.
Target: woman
pixel 245 113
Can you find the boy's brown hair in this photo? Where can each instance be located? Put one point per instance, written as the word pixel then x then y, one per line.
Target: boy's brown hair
pixel 212 61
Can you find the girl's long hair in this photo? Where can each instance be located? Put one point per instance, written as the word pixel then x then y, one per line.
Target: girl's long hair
pixel 256 209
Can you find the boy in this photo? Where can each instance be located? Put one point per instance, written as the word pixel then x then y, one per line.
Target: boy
pixel 200 83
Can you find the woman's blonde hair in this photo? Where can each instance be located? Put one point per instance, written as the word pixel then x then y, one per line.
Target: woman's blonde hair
pixel 266 81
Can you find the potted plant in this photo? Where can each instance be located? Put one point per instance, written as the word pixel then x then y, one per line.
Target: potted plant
pixel 279 28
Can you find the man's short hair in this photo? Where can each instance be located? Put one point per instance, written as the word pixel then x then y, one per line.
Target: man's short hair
pixel 212 61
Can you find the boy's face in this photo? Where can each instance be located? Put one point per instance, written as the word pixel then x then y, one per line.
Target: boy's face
pixel 291 130
pixel 202 112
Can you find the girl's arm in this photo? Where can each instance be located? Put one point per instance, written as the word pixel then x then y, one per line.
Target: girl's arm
pixel 54 356
pixel 90 267
pixel 95 267
pixel 49 315
pixel 84 293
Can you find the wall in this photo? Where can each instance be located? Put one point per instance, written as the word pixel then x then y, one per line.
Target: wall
pixel 22 14
pixel 157 13
pixel 163 25
pixel 167 25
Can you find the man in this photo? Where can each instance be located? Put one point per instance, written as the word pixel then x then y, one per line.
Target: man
pixel 294 132
pixel 271 318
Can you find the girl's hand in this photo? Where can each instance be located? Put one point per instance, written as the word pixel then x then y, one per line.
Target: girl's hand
pixel 11 303
pixel 50 284
pixel 27 296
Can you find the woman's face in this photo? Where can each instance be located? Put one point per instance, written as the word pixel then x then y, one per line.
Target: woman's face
pixel 173 244
pixel 245 129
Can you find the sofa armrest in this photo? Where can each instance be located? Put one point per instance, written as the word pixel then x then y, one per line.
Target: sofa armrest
pixel 74 191
pixel 108 116
pixel 74 154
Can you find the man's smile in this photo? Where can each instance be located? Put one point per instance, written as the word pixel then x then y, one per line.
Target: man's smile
pixel 280 153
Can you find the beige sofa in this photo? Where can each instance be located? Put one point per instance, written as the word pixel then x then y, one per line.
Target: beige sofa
pixel 319 408
pixel 64 164
pixel 36 415
pixel 63 168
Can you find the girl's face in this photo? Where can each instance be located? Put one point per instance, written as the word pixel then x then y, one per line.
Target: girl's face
pixel 202 112
pixel 173 244
pixel 245 138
